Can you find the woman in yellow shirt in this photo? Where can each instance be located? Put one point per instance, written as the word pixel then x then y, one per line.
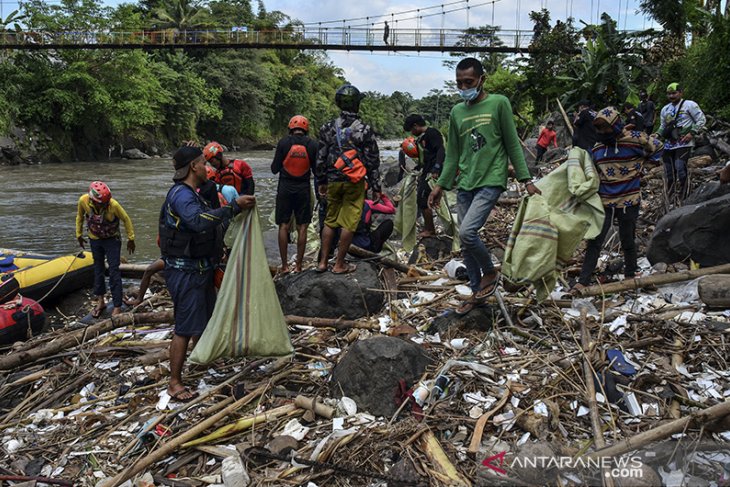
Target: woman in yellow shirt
pixel 102 214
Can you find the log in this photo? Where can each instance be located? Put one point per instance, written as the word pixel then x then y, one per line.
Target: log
pixel 78 337
pixel 366 254
pixel 699 418
pixel 132 271
pixel 311 404
pixel 715 290
pixel 720 145
pixel 653 280
pixel 329 323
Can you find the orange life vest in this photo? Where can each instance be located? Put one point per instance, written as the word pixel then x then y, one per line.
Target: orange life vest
pixel 234 174
pixel 297 163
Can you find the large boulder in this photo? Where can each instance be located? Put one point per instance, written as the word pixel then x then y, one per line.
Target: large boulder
pixel 134 154
pixel 370 372
pixel 699 232
pixel 707 192
pixel 328 295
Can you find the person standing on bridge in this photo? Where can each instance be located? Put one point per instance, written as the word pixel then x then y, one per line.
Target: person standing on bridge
pixel 348 155
pixel 386 33
pixel 236 173
pixel 481 143
pixel 294 161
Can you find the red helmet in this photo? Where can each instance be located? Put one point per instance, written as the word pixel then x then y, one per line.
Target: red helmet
pixel 211 150
pixel 299 122
pixel 99 193
pixel 410 147
pixel 210 172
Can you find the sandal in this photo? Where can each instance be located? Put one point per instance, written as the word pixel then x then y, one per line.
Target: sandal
pixel 467 306
pixel 178 396
pixel 489 288
pixel 348 270
pixel 97 312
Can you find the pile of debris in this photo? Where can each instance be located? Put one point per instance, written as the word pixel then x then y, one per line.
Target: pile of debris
pixel 627 385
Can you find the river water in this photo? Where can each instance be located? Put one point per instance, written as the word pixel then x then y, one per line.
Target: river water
pixel 38 203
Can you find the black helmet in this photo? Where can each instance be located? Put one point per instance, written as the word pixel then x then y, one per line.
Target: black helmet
pixel 348 98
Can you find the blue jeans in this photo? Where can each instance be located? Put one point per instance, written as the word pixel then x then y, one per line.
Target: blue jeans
pixel 675 169
pixel 112 249
pixel 473 208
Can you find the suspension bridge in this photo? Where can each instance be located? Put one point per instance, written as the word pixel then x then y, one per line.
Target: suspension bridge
pixel 306 38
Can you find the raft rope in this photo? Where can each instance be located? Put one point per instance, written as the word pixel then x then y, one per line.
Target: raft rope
pixel 26 308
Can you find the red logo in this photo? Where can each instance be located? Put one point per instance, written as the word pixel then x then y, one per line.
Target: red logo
pixel 497 468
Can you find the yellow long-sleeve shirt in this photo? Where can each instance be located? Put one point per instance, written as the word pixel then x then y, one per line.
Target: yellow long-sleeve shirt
pixel 112 211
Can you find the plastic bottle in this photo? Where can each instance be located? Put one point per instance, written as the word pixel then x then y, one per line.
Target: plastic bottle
pixel 442 382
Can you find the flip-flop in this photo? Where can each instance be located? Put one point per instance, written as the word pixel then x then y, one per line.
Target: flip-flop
pixel 320 271
pixel 348 270
pixel 483 293
pixel 177 398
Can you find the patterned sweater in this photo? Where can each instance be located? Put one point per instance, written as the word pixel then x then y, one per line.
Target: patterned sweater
pixel 620 162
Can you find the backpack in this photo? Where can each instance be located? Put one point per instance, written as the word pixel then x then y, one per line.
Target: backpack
pixel 349 162
pixel 296 163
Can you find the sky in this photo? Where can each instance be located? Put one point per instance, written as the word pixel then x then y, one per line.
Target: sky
pixel 418 73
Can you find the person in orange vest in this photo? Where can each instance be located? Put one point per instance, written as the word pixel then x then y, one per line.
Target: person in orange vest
pixel 294 161
pixel 236 173
pixel 547 136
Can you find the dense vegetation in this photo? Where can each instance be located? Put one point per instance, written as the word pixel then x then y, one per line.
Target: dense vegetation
pixel 85 101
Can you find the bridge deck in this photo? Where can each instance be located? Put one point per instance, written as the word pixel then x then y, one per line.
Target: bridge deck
pixel 343 39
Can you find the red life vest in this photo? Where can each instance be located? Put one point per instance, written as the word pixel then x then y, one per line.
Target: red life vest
pixel 101 227
pixel 234 174
pixel 297 163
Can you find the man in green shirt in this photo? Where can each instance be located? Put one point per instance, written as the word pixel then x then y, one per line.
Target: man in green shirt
pixel 481 143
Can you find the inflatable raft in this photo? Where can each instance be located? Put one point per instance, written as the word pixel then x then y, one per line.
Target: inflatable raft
pixel 46 277
pixel 17 316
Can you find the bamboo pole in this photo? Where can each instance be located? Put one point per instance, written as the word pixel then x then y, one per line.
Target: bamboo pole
pixel 702 417
pixel 565 117
pixel 656 280
pixel 78 337
pixel 441 464
pixel 242 425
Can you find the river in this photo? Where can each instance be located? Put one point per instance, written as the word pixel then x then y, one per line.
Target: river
pixel 38 203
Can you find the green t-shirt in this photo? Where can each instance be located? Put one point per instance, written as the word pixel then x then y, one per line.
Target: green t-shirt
pixel 482 140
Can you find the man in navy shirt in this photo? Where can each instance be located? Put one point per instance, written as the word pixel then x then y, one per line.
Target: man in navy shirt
pixel 191 236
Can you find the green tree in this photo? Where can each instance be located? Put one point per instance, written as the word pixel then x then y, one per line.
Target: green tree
pixel 181 15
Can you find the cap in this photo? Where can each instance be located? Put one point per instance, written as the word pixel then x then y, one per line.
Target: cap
pixel 673 87
pixel 182 159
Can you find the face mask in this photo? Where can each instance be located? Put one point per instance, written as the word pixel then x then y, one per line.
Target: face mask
pixel 470 94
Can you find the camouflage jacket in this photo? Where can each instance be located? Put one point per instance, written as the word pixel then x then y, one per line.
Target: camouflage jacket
pixel 355 134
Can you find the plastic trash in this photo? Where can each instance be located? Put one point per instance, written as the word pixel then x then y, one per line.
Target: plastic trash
pixel 618 362
pixel 234 472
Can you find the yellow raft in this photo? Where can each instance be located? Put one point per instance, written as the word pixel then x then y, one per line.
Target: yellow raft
pixel 47 277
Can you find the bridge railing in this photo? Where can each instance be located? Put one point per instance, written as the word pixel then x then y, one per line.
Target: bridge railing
pixel 309 37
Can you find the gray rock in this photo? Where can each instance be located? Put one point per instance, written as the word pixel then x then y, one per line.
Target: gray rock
pixel 389 174
pixel 707 192
pixel 134 154
pixel 478 319
pixel 370 371
pixel 7 142
pixel 328 295
pixel 699 232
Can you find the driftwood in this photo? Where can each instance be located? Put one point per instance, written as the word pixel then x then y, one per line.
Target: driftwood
pixel 715 290
pixel 71 339
pixel 330 323
pixel 366 254
pixel 565 117
pixel 444 471
pixel 701 418
pixel 653 280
